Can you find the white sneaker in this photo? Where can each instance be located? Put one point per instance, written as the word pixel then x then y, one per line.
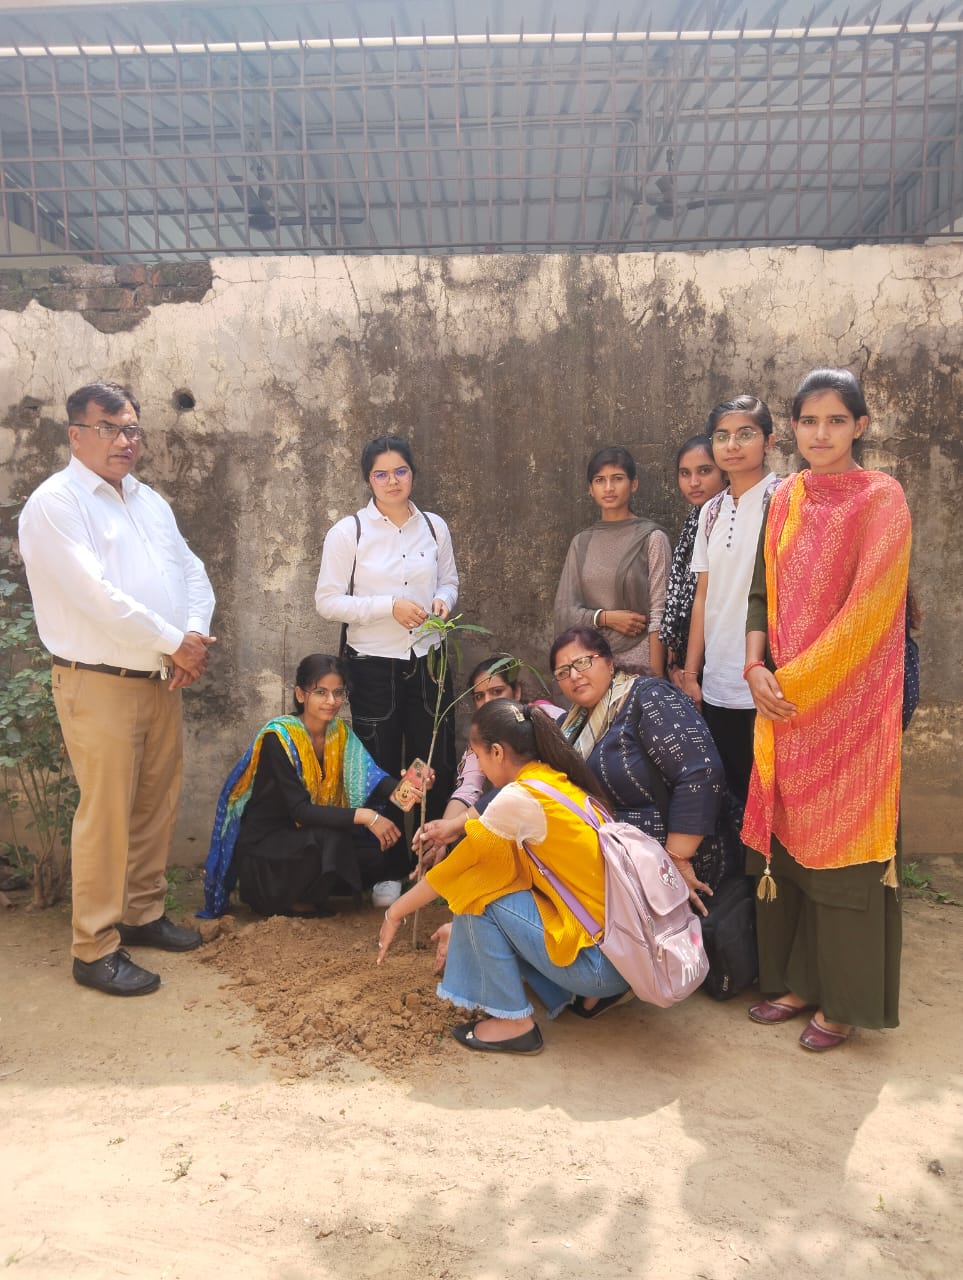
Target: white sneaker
pixel 385 892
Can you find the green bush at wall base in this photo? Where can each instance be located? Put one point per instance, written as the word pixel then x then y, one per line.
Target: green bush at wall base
pixel 37 789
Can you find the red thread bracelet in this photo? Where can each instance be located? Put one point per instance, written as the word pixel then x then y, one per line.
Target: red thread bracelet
pixel 749 666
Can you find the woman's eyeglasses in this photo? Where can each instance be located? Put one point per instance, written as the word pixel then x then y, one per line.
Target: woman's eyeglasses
pixel 745 435
pixel 577 664
pixel 399 473
pixel 330 695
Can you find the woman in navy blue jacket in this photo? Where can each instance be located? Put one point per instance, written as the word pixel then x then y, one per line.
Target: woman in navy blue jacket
pixel 651 751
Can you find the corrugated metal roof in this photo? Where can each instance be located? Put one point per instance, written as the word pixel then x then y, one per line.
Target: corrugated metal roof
pixel 374 127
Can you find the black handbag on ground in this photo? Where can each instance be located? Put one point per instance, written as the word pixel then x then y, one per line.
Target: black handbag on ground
pixel 729 937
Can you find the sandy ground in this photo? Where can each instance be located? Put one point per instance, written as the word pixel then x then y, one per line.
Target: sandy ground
pixel 282 1110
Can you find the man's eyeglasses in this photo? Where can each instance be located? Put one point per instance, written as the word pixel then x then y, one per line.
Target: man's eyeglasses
pixel 399 473
pixel 577 664
pixel 745 435
pixel 107 430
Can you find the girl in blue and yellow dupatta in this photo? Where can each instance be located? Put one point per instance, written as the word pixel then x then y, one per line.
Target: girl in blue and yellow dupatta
pixel 286 815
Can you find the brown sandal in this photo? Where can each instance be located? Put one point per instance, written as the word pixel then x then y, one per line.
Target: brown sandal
pixel 818 1039
pixel 770 1012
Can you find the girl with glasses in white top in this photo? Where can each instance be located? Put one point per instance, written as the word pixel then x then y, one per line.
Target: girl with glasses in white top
pixel 723 558
pixel 384 571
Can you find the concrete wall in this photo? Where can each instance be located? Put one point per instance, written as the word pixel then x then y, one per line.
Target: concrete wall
pixel 506 372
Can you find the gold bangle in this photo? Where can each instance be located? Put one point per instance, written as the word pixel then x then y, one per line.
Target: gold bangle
pixel 371 824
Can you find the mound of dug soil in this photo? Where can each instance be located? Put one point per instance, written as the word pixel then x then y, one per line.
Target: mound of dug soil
pixel 319 995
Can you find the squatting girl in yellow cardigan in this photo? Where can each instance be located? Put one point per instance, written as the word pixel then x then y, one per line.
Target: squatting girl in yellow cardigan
pixel 510 927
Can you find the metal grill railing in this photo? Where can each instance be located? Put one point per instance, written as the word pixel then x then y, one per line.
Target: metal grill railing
pixel 596 143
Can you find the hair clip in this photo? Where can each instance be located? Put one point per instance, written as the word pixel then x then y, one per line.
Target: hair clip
pixel 518 713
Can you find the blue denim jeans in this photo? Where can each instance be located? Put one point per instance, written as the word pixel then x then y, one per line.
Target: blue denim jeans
pixel 492 956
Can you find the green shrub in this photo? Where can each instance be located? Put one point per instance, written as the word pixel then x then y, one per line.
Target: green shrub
pixel 37 789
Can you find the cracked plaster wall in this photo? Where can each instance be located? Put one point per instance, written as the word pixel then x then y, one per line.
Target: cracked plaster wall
pixel 506 372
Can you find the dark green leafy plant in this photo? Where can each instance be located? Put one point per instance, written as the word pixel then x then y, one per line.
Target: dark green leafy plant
pixel 920 882
pixel 37 789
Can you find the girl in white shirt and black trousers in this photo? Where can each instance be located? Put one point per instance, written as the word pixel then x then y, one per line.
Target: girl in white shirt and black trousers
pixel 383 571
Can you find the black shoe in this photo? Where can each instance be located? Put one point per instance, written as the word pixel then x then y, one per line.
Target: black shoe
pixel 117 975
pixel 600 1006
pixel 529 1042
pixel 160 933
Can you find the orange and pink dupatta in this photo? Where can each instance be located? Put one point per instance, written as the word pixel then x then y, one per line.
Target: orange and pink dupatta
pixel 826 782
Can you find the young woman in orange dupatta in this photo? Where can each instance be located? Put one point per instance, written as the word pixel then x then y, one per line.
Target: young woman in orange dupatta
pixel 824 662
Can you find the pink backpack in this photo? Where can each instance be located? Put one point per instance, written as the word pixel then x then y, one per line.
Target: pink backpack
pixel 651 935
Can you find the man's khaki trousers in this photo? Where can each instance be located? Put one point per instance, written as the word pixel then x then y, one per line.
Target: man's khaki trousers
pixel 124 739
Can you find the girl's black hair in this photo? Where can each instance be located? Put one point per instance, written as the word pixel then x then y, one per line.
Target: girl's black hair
pixel 914 613
pixel 613 455
pixel 751 406
pixel 385 444
pixel 845 384
pixel 314 668
pixel 532 735
pixel 510 672
pixel 695 442
pixel 588 636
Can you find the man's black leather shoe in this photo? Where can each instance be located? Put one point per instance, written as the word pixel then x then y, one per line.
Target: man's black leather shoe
pixel 161 933
pixel 117 975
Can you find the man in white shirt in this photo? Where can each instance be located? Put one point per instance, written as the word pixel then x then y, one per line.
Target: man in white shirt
pixel 124 606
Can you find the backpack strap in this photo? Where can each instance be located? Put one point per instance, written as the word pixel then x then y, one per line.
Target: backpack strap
pixel 592 812
pixel 428 523
pixel 713 507
pixel 343 642
pixel 593 816
pixel 587 921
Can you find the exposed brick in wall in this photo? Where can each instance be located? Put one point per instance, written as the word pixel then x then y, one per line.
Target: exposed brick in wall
pixel 112 299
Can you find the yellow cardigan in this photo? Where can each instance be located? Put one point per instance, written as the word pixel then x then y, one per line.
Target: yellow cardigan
pixel 484 867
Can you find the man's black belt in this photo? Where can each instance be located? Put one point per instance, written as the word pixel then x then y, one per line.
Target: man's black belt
pixel 104 670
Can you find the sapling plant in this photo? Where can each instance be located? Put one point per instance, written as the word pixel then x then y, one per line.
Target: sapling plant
pixel 440 662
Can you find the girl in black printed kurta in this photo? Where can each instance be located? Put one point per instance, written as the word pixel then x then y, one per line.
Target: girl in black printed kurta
pixel 699 479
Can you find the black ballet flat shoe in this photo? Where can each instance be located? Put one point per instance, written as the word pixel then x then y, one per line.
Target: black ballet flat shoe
pixel 529 1043
pixel 604 1002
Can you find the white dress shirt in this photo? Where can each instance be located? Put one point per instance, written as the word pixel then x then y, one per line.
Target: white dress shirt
pixel 111 577
pixel 392 563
